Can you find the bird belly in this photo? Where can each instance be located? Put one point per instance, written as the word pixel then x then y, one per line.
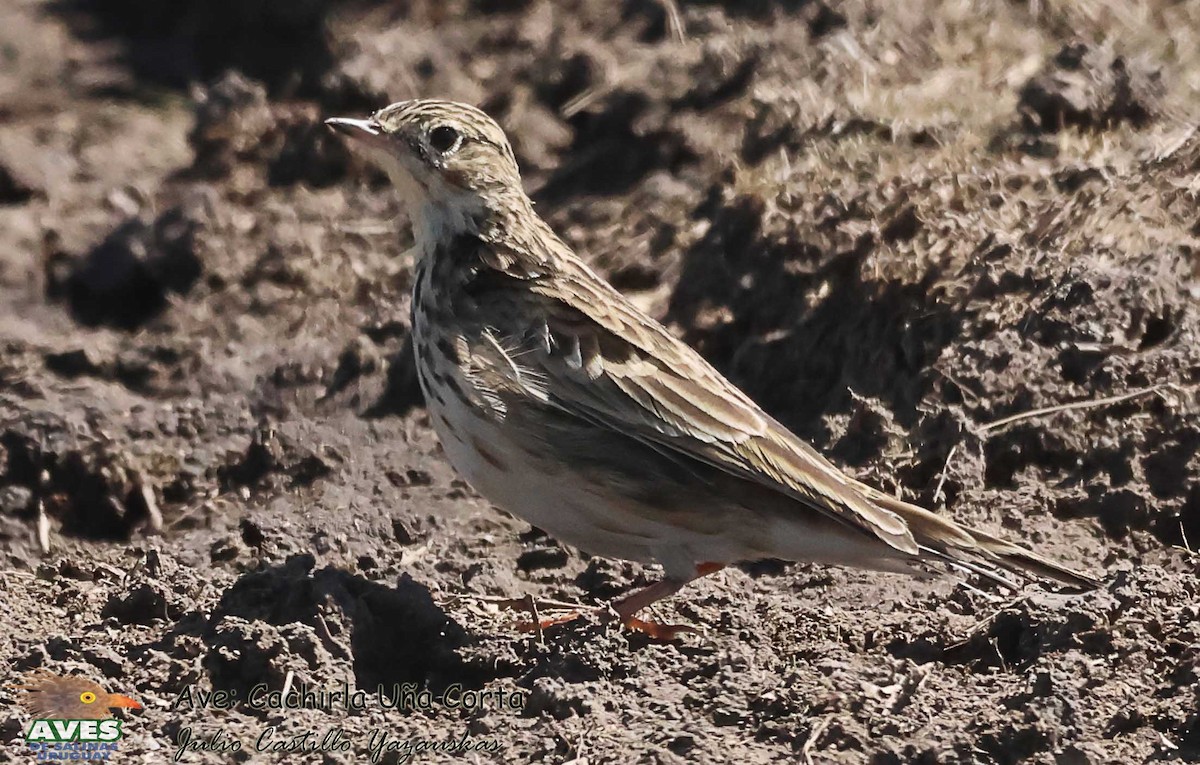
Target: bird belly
pixel 586 501
pixel 594 515
pixel 539 491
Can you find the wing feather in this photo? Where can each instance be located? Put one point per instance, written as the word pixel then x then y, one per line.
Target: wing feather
pixel 592 355
pixel 603 360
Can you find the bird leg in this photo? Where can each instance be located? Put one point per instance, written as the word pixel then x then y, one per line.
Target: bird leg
pixel 625 608
pixel 628 606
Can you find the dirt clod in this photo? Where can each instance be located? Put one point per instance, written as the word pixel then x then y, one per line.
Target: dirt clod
pixel 126 280
pixel 1088 86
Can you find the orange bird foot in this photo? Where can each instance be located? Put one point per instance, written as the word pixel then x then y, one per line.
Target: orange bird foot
pixel 651 629
pixel 658 631
pixel 548 622
pixel 625 608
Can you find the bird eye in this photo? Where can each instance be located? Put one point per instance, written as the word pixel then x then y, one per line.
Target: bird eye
pixel 87 697
pixel 444 139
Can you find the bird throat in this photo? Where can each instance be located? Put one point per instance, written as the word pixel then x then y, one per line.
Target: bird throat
pixel 438 221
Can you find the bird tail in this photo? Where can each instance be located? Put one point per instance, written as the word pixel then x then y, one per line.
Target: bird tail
pixel 977 551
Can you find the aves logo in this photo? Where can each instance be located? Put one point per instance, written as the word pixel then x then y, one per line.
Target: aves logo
pixel 61 731
pixel 72 717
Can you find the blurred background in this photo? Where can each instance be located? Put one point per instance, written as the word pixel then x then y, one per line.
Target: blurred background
pixel 904 228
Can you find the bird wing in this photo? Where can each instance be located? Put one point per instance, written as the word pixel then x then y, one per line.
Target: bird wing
pixel 600 358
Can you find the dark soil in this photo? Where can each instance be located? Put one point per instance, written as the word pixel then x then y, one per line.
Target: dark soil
pixel 894 224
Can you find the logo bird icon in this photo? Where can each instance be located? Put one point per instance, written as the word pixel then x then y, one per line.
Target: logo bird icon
pixel 70 697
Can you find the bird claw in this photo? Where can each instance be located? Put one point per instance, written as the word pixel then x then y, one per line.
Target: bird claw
pixel 653 630
pixel 622 611
pixel 659 631
pixel 550 621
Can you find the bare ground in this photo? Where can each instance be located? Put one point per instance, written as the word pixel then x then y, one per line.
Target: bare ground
pixel 895 225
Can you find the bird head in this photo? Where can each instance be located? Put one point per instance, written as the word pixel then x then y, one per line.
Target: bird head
pixel 70 697
pixel 449 160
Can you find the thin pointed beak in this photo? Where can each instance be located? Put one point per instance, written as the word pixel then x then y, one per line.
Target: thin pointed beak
pixel 119 700
pixel 367 131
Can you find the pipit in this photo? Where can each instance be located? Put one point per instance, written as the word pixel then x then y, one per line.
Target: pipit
pixel 565 405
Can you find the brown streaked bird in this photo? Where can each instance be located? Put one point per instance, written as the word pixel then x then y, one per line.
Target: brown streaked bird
pixel 565 405
pixel 70 697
